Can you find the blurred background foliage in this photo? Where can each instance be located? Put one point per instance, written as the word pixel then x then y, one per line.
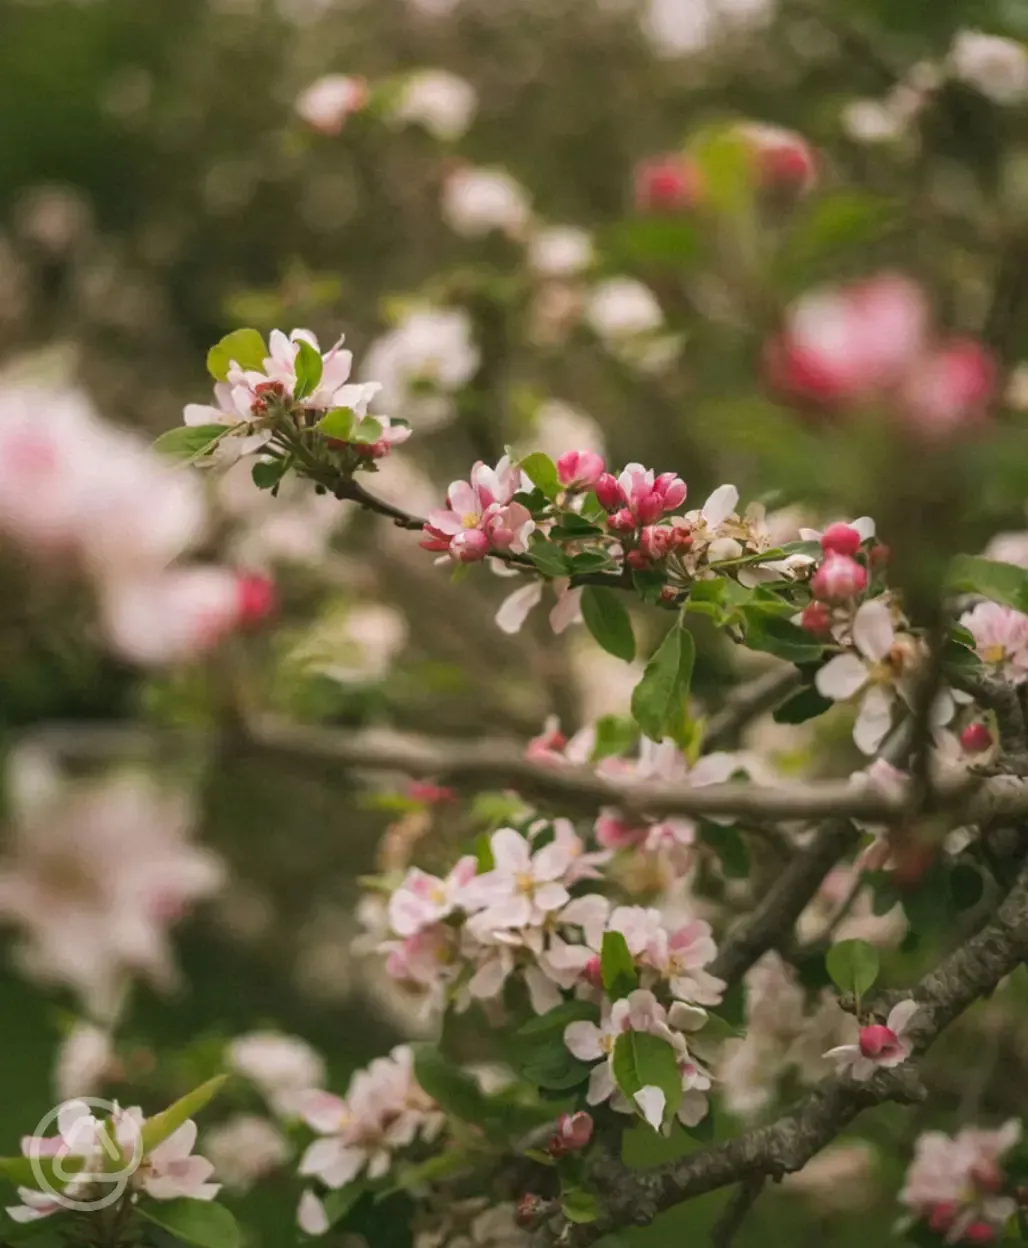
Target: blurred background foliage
pixel 156 189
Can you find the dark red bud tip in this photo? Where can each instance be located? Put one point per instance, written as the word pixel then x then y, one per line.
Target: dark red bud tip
pixel 979 1233
pixel 976 739
pixel 257 599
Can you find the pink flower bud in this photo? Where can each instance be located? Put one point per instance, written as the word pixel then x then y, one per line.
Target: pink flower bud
pixel 609 492
pixel 667 185
pixel 655 541
pixel 431 794
pixel 876 1039
pixel 949 391
pixel 649 507
pixel 816 619
pixel 672 489
pixel 942 1216
pixel 623 521
pixel 469 546
pixel 976 738
pixel 528 1208
pixel 839 578
pixel 783 161
pixel 574 1131
pixel 840 539
pixel 592 973
pixel 986 1175
pixel 257 599
pixel 637 561
pixel 578 470
pixel 979 1233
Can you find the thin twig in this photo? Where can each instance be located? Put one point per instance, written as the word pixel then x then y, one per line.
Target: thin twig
pixel 746 702
pixel 739 1206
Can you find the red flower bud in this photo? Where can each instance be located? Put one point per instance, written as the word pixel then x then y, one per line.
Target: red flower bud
pixel 592 973
pixel 527 1209
pixel 942 1216
pixel 580 469
pixel 469 546
pixel 637 561
pixel 257 599
pixel 979 1233
pixel 668 184
pixel 574 1131
pixel 840 539
pixel 838 579
pixel 623 521
pixel 976 738
pixel 609 492
pixel 817 619
pixel 875 1039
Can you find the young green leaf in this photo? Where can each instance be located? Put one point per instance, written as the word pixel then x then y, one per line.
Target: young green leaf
pixel 201 1223
pixel 1002 582
pixel 658 698
pixel 267 473
pixel 548 557
pixel 368 432
pixel 578 1205
pixel 189 441
pixel 807 704
pixel 338 1204
pixel 767 630
pixel 853 966
pixel 644 1060
pixel 617 966
pixel 157 1129
pixel 244 347
pixel 454 1089
pixel 542 472
pixel 309 366
pixel 615 735
pixel 337 424
pixel 608 621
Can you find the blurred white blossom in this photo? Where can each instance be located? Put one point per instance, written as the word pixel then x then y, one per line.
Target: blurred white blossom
pixel 477 201
pixel 440 101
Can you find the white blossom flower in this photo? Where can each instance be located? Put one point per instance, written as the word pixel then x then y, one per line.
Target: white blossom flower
pixel 1001 638
pixel 171 1170
pixel 477 201
pixel 441 102
pixel 327 102
pixel 522 888
pixel 995 66
pixel 283 1067
pixel 423 361
pixel 423 900
pixel 83 1060
pixel 623 308
pixel 245 1149
pixel 560 251
pixel 869 672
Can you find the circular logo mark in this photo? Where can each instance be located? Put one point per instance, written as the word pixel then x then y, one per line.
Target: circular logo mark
pixel 88 1163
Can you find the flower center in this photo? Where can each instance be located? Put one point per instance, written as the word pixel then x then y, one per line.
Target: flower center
pixel 469 520
pixel 525 882
pixel 996 653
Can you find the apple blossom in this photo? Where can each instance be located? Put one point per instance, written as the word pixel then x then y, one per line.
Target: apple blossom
pixel 420 363
pixel 877 1046
pixel 245 1149
pixel 948 390
pixel 841 539
pixel 580 469
pixel 560 251
pixel 976 738
pixel 783 160
pixel 282 1067
pixel 995 66
pixel 838 579
pixel 522 888
pixel 573 1133
pixel 1000 639
pixel 622 308
pixel 516 607
pixel 478 201
pixel 327 102
pixel 171 1170
pixel 441 102
pixel 423 900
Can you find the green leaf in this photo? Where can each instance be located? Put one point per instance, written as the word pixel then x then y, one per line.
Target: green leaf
pixel 542 472
pixel 642 1148
pixel 337 424
pixel 608 621
pixel 557 1019
pixel 617 966
pixel 654 241
pixel 1002 582
pixel 189 441
pixel 578 1205
pixel 309 366
pixel 966 885
pixel 20 1170
pixel 244 347
pixel 201 1223
pixel 157 1129
pixel 551 1066
pixel 658 698
pixel 807 704
pixel 368 432
pixel 730 848
pixel 441 1166
pixel 769 632
pixel 267 473
pixel 853 966
pixel 338 1204
pixel 641 1059
pixel 615 735
pixel 454 1089
pixel 548 557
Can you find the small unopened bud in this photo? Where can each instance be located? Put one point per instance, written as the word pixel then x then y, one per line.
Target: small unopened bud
pixel 623 521
pixel 650 507
pixel 838 579
pixel 669 594
pixel 874 1039
pixel 469 546
pixel 986 1175
pixel 840 539
pixel 942 1216
pixel 976 738
pixel 528 1208
pixel 592 973
pixel 609 492
pixel 817 619
pixel 257 599
pixel 655 541
pixel 879 555
pixel 637 561
pixel 979 1233
pixel 579 470
pixel 668 184
pixel 672 489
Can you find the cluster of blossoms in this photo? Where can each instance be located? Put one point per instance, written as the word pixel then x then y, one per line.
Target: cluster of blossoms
pixel 955 1184
pixel 871 345
pixel 78 495
pixel 168 1171
pixel 1000 639
pixel 384 1112
pixel 271 396
pixel 481 516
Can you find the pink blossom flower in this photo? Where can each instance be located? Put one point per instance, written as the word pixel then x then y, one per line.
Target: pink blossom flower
pixel 949 390
pixel 878 1046
pixel 327 102
pixel 423 900
pixel 784 162
pixel 482 505
pixel 574 1131
pixel 838 537
pixel 1000 638
pixel 953 1182
pixel 580 469
pixel 523 887
pixel 668 185
pixel 171 1170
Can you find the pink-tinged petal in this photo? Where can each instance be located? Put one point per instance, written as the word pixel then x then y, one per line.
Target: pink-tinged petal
pixel 199 414
pixel 582 1039
pixel 841 677
pixel 601 1084
pixel 177 1146
pixel 716 768
pixel 900 1016
pixel 842 1052
pixel 489 979
pixel 652 1102
pixel 568 610
pixel 463 499
pixel 873 633
pixel 311 1217
pixel 550 897
pixel 874 721
pixel 444 521
pixel 408 914
pixel 863 1069
pixel 514 911
pixel 379 1164
pixel 515 608
pixel 552 862
pixel 542 992
pixel 323 1111
pixel 511 852
pixel 720 505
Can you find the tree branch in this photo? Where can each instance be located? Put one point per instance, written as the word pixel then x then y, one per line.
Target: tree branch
pixel 746 702
pixel 734 1216
pixel 787 1144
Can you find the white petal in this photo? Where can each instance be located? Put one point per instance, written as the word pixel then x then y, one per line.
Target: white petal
pixel 720 505
pixel 900 1016
pixel 874 720
pixel 652 1101
pixel 542 992
pixel 841 677
pixel 601 1084
pixel 583 1041
pixel 488 979
pixel 865 526
pixel 568 610
pixel 872 630
pixel 511 852
pixel 515 608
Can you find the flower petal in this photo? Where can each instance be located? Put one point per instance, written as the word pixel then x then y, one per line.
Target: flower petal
pixel 652 1101
pixel 874 720
pixel 900 1016
pixel 841 677
pixel 515 608
pixel 872 630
